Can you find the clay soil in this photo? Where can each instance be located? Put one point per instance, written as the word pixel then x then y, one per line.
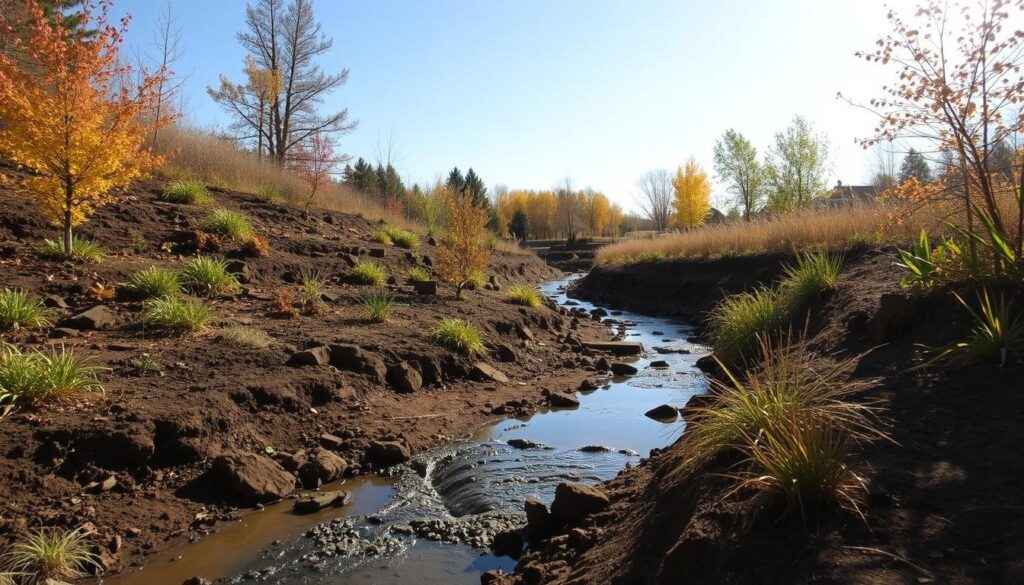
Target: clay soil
pixel 157 429
pixel 945 502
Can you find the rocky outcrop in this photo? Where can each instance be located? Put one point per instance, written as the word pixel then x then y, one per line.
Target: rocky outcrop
pixel 575 501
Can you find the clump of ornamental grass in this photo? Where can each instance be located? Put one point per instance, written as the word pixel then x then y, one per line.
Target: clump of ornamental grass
pixel 207 276
pixel 188 191
pixel 813 275
pixel 256 246
pixel 313 287
pixel 477 279
pixel 459 336
pixel 154 282
pixel 19 310
pixel 176 315
pixel 268 193
pixel 419 274
pixel 377 306
pixel 246 336
pixel 402 238
pixel 381 236
pixel 46 554
pixel 996 336
pixel 82 250
pixel 228 224
pixel 737 321
pixel 369 272
pixel 521 294
pixel 38 377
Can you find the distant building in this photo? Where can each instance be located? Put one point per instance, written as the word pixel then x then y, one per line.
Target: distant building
pixel 845 195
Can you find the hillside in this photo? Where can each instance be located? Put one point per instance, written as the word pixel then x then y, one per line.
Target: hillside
pixel 191 428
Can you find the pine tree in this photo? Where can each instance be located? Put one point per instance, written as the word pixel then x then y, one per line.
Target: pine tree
pixel 474 185
pixel 914 165
pixel 455 183
pixel 519 225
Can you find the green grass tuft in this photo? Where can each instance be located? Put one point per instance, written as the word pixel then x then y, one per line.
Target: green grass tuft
pixel 476 279
pixel 369 272
pixel 45 554
pixel 18 310
pixel 176 315
pixel 313 287
pixel 269 193
pixel 737 321
pixel 377 306
pixel 521 294
pixel 228 224
pixel 207 276
pixel 45 376
pixel 82 250
pixel 189 192
pixel 458 335
pixel 154 282
pixel 997 334
pixel 813 275
pixel 246 336
pixel 419 274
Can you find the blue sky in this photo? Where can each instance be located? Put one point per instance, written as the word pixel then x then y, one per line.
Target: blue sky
pixel 530 91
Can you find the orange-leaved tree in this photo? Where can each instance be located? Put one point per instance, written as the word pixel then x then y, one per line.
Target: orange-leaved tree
pixel 315 162
pixel 466 250
pixel 693 195
pixel 73 116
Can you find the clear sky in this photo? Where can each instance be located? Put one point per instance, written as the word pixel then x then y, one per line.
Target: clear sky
pixel 530 91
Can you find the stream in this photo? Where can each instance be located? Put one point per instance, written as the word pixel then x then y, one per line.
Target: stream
pixel 429 521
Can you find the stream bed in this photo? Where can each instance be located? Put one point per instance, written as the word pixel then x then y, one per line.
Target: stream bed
pixel 430 520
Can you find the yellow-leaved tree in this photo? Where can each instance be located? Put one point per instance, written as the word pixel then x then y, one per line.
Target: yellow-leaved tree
pixel 693 195
pixel 466 250
pixel 73 116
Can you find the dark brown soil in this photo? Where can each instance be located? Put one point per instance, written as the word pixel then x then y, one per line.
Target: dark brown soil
pixel 157 432
pixel 945 502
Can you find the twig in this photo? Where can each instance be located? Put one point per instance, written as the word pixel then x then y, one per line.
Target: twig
pixel 417 416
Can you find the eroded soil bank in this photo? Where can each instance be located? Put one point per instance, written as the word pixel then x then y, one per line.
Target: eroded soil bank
pixel 945 503
pixel 193 429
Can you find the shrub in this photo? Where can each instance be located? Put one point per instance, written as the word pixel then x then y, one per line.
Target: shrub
pixel 268 193
pixel 419 274
pixel 176 315
pixel 43 554
pixel 228 224
pixel 17 309
pixel 284 303
pixel 925 264
pixel 736 322
pixel 246 336
pixel 186 191
pixel 45 376
pixel 154 282
pixel 465 250
pixel 81 249
pixel 998 333
pixel 256 246
pixel 145 363
pixel 313 287
pixel 369 272
pixel 458 335
pixel 521 294
pixel 210 276
pixel 813 275
pixel 377 306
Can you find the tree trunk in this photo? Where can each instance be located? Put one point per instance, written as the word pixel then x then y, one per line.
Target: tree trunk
pixel 68 237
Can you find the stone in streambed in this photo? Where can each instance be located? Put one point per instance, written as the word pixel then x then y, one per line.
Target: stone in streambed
pixel 575 501
pixel 623 369
pixel 664 412
pixel 253 478
pixel 315 502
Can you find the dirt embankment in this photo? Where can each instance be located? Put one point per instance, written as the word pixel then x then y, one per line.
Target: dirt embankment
pixel 944 503
pixel 193 427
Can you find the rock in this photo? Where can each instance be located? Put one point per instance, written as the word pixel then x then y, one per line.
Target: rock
pixel 254 478
pixel 316 502
pixel 697 402
pixel 623 369
pixel 587 386
pixel 493 577
pixel 316 356
pixel 616 347
pixel 598 312
pixel 487 372
pixel 378 253
pixel 292 461
pixel 526 444
pixel 353 358
pixel 508 543
pixel 523 332
pixel 197 581
pixel 659 364
pixel 575 501
pixel 64 333
pixel 603 365
pixel 331 441
pixel 405 378
pixel 539 522
pixel 98 317
pixel 426 287
pixel 664 412
pixel 108 484
pixel 55 302
pixel 505 353
pixel 595 449
pixel 240 269
pixel 664 350
pixel 559 400
pixel 387 453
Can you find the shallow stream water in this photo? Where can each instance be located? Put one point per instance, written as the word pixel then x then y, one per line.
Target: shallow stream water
pixel 427 523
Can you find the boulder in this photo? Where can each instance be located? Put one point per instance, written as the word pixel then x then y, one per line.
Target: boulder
pixel 508 543
pixel 527 444
pixel 488 372
pixel 559 400
pixel 659 364
pixel 378 253
pixel 98 317
pixel 426 287
pixel 315 502
pixel 664 412
pixel 575 501
pixel 603 365
pixel 387 453
pixel 353 358
pixel 616 347
pixel 623 369
pixel 315 356
pixel 54 302
pixel 331 441
pixel 253 478
pixel 404 378
pixel 539 522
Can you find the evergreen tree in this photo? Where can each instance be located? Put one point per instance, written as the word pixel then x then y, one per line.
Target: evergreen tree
pixel 474 185
pixel 455 182
pixel 914 165
pixel 519 225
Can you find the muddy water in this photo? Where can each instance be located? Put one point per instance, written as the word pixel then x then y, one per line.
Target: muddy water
pixel 427 523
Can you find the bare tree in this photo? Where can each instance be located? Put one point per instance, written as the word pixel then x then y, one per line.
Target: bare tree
pixel 167 43
pixel 658 193
pixel 285 42
pixel 884 168
pixel 568 207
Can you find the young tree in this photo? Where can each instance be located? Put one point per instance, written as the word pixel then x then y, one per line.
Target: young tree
pixel 286 39
pixel 692 195
pixel 167 42
pixel 798 167
pixel 71 117
pixel 519 225
pixel 474 185
pixel 656 202
pixel 736 164
pixel 914 165
pixel 315 162
pixel 883 170
pixel 466 250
